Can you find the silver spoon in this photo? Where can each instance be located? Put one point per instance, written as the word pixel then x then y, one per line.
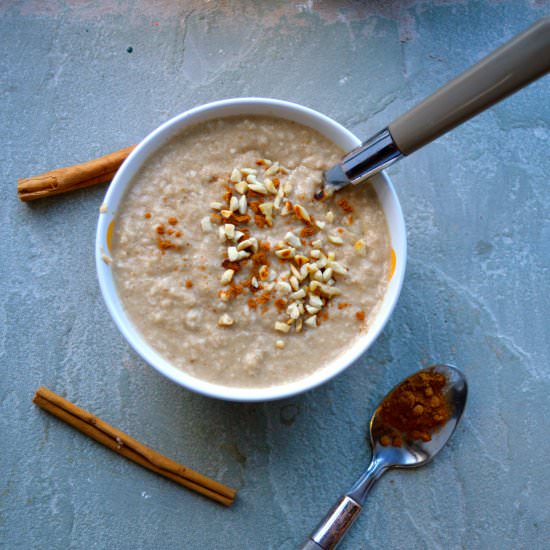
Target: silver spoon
pixel 409 455
pixel 512 66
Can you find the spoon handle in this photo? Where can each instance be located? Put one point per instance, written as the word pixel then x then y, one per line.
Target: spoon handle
pixel 335 524
pixel 512 66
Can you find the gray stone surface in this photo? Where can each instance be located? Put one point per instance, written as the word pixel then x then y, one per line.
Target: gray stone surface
pixel 477 205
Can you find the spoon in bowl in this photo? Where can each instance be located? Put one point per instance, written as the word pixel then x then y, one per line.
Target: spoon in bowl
pixel 392 448
pixel 512 66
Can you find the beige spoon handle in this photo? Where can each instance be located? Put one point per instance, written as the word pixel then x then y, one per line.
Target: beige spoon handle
pixel 514 65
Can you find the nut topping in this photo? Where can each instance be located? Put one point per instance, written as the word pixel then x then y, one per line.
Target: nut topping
pixel 311 321
pixel 305 289
pixel 258 188
pixel 315 301
pixel 293 240
pixel 248 243
pixel 298 295
pixel 282 327
pixel 243 206
pixel 236 175
pixel 234 204
pixel 302 214
pixel 284 287
pixel 241 187
pixel 229 230
pixel 270 186
pixel 285 253
pixel 273 169
pixel 227 276
pixel 225 320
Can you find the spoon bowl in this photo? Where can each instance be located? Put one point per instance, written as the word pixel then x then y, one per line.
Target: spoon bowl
pixel 417 453
pixel 409 453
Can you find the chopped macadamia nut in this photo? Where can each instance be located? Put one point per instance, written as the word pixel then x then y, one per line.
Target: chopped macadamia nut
pixel 248 243
pixel 284 287
pixel 293 240
pixel 282 327
pixel 273 169
pixel 258 188
pixel 243 205
pixel 227 276
pixel 232 253
pixel 270 186
pixel 311 321
pixel 229 230
pixel 241 187
pixel 298 295
pixel 266 209
pixel 293 311
pixel 242 254
pixel 236 176
pixel 285 253
pixel 338 268
pixel 315 301
pixel 336 239
pixel 302 214
pixel 225 320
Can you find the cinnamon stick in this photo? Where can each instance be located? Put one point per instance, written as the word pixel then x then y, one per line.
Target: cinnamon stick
pixel 62 180
pixel 127 446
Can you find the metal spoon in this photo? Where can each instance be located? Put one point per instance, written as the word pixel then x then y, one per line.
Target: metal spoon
pixel 512 66
pixel 410 455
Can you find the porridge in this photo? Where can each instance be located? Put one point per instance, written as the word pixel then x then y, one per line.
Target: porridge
pixel 229 267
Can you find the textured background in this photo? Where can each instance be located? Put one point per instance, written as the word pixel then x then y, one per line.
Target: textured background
pixel 477 205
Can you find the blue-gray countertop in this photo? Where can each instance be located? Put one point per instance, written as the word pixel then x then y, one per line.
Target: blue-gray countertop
pixel 80 79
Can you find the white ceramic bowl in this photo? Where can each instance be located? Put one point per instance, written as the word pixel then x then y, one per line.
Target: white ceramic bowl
pixel 231 107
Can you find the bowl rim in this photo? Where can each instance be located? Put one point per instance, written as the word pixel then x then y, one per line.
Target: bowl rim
pixel 222 109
